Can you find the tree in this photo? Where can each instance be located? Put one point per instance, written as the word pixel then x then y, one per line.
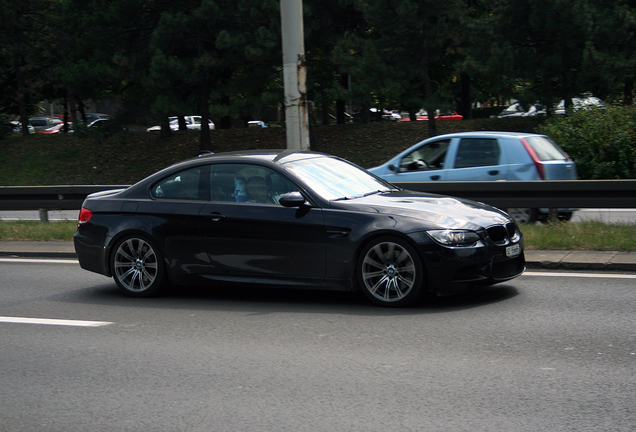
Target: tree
pixel 214 55
pixel 406 53
pixel 25 54
pixel 561 48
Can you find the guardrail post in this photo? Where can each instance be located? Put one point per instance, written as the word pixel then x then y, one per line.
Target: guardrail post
pixel 44 215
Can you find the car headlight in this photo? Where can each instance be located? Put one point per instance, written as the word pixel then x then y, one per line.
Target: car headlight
pixel 454 237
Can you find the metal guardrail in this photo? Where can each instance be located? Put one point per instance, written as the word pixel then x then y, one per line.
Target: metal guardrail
pixel 538 194
pixel 45 198
pixel 502 194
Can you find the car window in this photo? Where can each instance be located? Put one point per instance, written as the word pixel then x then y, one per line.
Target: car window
pixel 476 152
pixel 426 157
pixel 247 183
pixel 545 148
pixel 189 184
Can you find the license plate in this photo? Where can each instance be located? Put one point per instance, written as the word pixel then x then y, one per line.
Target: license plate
pixel 513 251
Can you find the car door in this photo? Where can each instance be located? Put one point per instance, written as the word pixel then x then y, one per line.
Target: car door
pixel 425 163
pixel 244 239
pixel 174 211
pixel 477 159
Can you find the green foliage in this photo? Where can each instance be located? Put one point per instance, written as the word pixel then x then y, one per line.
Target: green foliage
pixel 5 128
pixel 602 142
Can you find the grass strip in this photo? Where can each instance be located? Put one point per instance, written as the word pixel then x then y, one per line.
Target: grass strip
pixel 31 230
pixel 587 235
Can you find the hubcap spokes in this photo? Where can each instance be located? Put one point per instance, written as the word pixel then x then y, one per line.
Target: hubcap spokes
pixel 388 271
pixel 135 265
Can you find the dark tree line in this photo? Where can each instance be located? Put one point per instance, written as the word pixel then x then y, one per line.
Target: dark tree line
pixel 222 59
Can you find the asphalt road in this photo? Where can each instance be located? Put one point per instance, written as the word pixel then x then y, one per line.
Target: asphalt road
pixel 545 352
pixel 605 215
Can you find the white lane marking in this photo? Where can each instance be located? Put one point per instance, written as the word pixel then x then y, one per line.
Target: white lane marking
pixel 582 275
pixel 39 260
pixel 57 322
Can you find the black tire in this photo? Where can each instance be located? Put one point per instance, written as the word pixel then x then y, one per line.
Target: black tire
pixel 138 267
pixel 390 272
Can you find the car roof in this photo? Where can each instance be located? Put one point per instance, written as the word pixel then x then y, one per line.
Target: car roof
pixel 277 156
pixel 487 134
pixel 268 156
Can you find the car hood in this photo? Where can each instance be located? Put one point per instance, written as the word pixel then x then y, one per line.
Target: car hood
pixel 432 211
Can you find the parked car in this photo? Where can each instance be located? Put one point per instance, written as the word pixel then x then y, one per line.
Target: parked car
pixel 439 115
pixel 91 117
pixel 58 128
pixel 385 114
pixel 193 122
pixel 517 110
pixel 41 123
pixel 293 219
pixel 469 156
pixel 16 126
pixel 256 124
pixel 579 104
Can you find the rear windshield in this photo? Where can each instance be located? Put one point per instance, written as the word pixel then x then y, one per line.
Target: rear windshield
pixel 545 148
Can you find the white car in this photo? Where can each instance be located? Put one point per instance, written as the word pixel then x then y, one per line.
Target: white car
pixel 193 122
pixel 16 126
pixel 579 104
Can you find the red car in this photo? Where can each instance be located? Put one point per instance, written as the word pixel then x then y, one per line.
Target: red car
pixel 58 128
pixel 446 115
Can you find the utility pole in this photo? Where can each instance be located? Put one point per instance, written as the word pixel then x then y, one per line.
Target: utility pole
pixel 294 75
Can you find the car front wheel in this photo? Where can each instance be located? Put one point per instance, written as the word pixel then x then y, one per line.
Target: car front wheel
pixel 390 272
pixel 138 268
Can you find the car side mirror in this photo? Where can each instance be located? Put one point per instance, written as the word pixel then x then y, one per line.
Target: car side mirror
pixel 392 167
pixel 292 199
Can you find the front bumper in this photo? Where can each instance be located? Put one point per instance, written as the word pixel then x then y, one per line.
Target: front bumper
pixel 455 269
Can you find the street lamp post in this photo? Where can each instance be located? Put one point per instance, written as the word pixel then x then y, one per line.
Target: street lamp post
pixel 294 75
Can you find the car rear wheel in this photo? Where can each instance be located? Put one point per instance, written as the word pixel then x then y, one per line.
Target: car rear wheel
pixel 138 267
pixel 390 272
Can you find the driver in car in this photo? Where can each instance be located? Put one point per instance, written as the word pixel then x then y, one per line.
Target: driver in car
pixel 257 191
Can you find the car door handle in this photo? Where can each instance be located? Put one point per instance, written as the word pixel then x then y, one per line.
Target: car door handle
pixel 216 216
pixel 435 177
pixel 493 172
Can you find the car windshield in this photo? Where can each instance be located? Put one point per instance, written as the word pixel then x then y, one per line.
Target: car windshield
pixel 336 179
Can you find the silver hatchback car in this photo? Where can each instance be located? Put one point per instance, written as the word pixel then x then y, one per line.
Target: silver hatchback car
pixel 480 156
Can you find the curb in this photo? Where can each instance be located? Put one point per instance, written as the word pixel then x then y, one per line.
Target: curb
pixel 581 260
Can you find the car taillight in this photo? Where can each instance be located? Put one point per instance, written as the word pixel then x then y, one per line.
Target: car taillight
pixel 84 216
pixel 535 158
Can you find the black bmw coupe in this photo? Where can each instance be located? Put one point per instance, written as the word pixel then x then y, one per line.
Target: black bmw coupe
pixel 293 219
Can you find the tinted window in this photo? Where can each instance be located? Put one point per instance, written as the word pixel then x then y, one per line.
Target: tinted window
pixel 429 156
pixel 545 148
pixel 187 185
pixel 247 183
pixel 476 152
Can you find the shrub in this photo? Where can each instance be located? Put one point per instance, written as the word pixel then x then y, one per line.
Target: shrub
pixel 5 128
pixel 602 142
